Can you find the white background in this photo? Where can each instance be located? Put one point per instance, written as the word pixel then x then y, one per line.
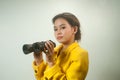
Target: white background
pixel 28 21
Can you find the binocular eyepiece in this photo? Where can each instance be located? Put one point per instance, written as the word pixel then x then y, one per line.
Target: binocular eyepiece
pixel 35 47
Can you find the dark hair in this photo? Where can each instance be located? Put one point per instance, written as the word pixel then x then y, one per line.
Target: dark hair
pixel 72 20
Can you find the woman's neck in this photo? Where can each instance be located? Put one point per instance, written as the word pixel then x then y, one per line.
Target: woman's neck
pixel 65 45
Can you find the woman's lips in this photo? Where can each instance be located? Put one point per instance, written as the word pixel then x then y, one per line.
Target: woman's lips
pixel 59 37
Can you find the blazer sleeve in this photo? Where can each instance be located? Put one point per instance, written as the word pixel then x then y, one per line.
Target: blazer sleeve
pixel 39 70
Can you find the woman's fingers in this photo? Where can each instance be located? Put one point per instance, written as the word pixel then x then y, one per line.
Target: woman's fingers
pixel 37 55
pixel 49 46
pixel 38 58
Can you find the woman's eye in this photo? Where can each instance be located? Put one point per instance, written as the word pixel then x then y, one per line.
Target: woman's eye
pixel 63 27
pixel 55 29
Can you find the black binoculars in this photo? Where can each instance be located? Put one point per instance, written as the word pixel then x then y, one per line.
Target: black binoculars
pixel 35 47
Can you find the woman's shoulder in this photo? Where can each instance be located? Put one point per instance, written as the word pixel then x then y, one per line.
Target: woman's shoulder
pixel 78 52
pixel 78 49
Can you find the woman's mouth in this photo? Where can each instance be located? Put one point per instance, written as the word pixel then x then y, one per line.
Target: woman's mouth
pixel 59 37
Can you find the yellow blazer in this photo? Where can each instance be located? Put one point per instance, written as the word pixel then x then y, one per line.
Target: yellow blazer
pixel 71 64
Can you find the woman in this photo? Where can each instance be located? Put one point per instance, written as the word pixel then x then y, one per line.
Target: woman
pixel 68 61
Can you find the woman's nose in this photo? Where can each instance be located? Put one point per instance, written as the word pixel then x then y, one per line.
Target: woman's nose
pixel 58 31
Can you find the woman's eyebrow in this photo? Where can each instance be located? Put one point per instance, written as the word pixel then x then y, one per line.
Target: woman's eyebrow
pixel 60 25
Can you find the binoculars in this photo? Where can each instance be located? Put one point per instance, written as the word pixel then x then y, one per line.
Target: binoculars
pixel 35 47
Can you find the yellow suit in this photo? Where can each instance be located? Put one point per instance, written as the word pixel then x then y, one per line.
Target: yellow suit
pixel 71 64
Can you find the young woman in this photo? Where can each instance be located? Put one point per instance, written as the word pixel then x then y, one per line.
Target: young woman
pixel 68 61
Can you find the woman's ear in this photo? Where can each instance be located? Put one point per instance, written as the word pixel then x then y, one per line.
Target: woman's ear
pixel 75 29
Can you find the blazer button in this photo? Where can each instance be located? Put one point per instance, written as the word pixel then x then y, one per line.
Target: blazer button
pixel 35 71
pixel 46 78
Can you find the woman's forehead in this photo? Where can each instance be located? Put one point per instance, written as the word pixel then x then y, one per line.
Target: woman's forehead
pixel 60 22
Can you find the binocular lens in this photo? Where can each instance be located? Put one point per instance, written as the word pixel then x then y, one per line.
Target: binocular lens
pixel 27 48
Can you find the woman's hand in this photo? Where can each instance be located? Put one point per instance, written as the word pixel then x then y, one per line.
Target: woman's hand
pixel 49 53
pixel 38 58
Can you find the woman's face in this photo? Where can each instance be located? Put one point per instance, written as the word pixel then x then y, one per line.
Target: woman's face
pixel 63 31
